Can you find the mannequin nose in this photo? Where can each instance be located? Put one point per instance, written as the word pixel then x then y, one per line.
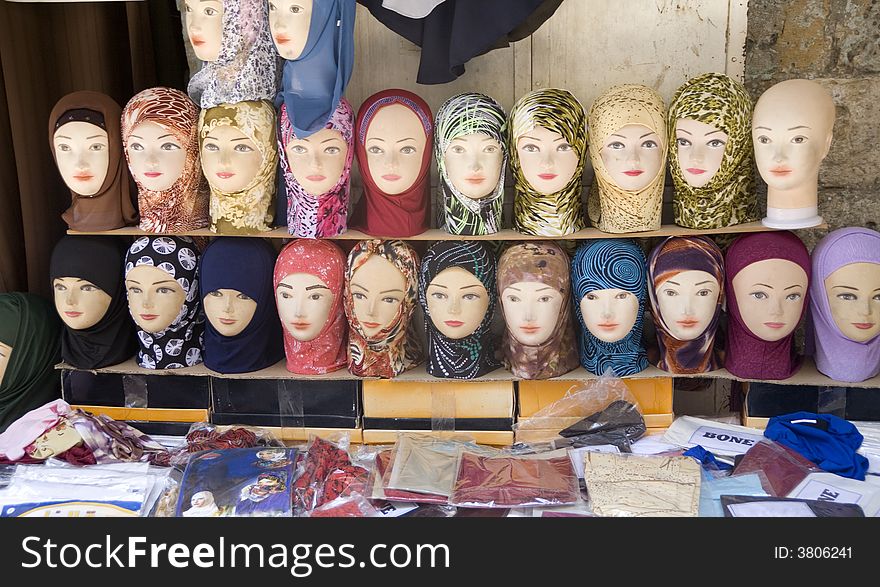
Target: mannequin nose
pixel 530 313
pixel 372 310
pixel 868 308
pixel 392 161
pixel 779 155
pixel 688 309
pixel 299 307
pixel 633 158
pixel 696 155
pixel 455 305
pixel 316 163
pixel 476 165
pixel 547 161
pixel 229 309
pixel 776 308
pixel 148 301
pixel 605 311
pixel 72 298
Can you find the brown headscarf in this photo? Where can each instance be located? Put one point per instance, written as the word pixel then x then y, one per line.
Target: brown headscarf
pixel 111 206
pixel 543 262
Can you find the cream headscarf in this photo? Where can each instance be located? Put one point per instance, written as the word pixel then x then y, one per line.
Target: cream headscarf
pixel 611 208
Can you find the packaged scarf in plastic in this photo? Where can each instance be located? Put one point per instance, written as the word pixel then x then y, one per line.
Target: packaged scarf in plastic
pixel 736 506
pixel 327 474
pixel 824 439
pixel 781 468
pixel 837 489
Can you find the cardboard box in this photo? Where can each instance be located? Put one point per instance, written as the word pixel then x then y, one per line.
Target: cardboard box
pixel 438 398
pixel 493 438
pixel 142 390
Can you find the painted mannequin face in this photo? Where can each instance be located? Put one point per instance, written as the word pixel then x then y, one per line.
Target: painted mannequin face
pixel 155 156
pixel 154 297
pixel 377 289
pixel 204 25
pixel 473 164
pixel 457 302
pixel 687 303
pixel 633 156
pixel 229 310
pixel 609 314
pixel 5 351
pixel 304 303
pixel 317 162
pixel 770 296
pixel 531 310
pixel 548 161
pixel 53 442
pixel 289 21
pixel 230 159
pixel 700 150
pixel 395 144
pixel 80 304
pixel 82 152
pixel 854 296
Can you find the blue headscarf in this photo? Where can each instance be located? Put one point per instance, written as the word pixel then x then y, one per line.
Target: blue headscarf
pixel 245 265
pixel 312 85
pixel 611 264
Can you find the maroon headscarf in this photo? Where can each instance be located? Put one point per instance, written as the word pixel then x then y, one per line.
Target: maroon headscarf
pixel 747 355
pixel 400 215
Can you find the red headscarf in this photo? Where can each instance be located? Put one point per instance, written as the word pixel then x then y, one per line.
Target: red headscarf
pixel 326 261
pixel 400 215
pixel 748 356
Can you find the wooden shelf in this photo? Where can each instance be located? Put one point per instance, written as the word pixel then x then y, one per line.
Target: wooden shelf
pixel 436 234
pixel 808 375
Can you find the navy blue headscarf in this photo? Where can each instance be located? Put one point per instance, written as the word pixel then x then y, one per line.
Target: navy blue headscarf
pixel 312 85
pixel 245 265
pixel 611 264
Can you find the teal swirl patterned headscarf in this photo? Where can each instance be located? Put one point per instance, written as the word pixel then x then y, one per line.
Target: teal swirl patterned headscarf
pixel 461 115
pixel 556 214
pixel 729 198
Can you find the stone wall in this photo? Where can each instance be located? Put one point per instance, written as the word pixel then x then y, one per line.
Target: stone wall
pixel 836 43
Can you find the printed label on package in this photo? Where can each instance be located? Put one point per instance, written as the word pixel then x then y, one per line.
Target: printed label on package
pixel 824 492
pixel 724 440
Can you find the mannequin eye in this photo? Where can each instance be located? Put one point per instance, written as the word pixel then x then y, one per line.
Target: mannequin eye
pixel 798 140
pixel 97 147
pixel 271 7
pixel 60 287
pixel 704 292
pixel 210 11
pixel 764 140
pixel 621 296
pixel 135 290
pixel 491 149
pixel 88 287
pixel 513 299
pixel 64 147
pixel 592 296
pixel 439 295
pixel 332 150
pixel 457 149
pixel 649 144
pixel 793 297
pixel 716 143
pixel 170 147
pixel 374 150
pixel 244 297
pixel 296 9
pixel 848 297
pixel 531 148
pixel 242 148
pixel 759 295
pixel 315 297
pixel 215 294
pixel 683 143
pixel 136 147
pixel 211 147
pixel 299 149
pixel 358 296
pixel 188 9
pixel 563 148
pixel 876 298
pixel 616 145
pixel 470 297
pixel 390 300
pixel 407 150
pixel 165 290
pixel 284 295
pixel 545 299
pixel 670 292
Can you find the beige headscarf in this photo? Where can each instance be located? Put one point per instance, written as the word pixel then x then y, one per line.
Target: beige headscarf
pixel 611 208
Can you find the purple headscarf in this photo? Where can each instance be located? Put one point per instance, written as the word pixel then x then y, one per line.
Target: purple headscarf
pixel 836 355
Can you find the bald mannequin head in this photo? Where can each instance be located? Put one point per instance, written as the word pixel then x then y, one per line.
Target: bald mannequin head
pixel 791 130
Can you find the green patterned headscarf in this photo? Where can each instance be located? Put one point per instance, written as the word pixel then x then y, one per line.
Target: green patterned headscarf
pixel 729 198
pixel 460 115
pixel 556 214
pixel 30 325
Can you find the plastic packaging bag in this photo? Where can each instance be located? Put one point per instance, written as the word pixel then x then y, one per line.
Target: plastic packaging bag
pixel 327 473
pixel 626 485
pixel 350 506
pixel 831 487
pixel 381 468
pixel 205 436
pixel 736 506
pixel 508 481
pixel 712 488
pixel 721 439
pixel 426 465
pixel 601 411
pixel 783 468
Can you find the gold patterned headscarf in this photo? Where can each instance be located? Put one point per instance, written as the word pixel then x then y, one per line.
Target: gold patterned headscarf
pixel 611 208
pixel 251 209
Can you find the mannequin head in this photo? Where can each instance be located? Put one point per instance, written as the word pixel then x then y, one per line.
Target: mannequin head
pixel 770 296
pixel 82 153
pixel 377 290
pixel 853 293
pixel 230 159
pixel 156 157
pixel 547 160
pixel 155 298
pixel 473 164
pixel 687 302
pixel 5 352
pixel 700 149
pixel 229 311
pixel 609 314
pixel 319 160
pixel 204 26
pixel 80 303
pixel 59 439
pixel 395 144
pixel 304 304
pixel 289 21
pixel 457 302
pixel 633 156
pixel 531 310
pixel 791 130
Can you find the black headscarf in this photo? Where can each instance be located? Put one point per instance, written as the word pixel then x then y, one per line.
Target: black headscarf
pixel 474 355
pixel 98 260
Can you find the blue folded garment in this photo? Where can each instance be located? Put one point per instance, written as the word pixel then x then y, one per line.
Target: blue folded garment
pixel 826 440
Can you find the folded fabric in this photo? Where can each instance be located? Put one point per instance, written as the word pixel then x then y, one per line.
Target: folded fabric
pixel 627 485
pixel 870 448
pixel 824 439
pixel 837 489
pixel 706 459
pixel 328 473
pixel 736 506
pixel 515 481
pixel 24 431
pixel 383 459
pixel 424 465
pixel 782 467
pixel 711 491
pixel 620 424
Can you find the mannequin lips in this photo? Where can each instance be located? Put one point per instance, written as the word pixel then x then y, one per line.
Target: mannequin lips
pixel 696 171
pixel 83 176
pixel 282 39
pixel 608 325
pixel 476 179
pixel 453 323
pixel 688 322
pixel 370 325
pixel 225 174
pixel 633 172
pixel 863 325
pixel 152 174
pixel 197 41
pixel 780 171
pixel 391 177
pixel 530 329
pixel 547 176
pixel 300 325
pixel 775 325
pixel 227 321
pixel 78 314
pixel 316 177
pixel 149 317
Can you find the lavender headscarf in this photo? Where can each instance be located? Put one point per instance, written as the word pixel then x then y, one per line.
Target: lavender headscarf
pixel 836 355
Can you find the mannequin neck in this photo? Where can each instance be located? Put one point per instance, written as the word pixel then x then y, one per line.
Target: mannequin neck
pixel 802 196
